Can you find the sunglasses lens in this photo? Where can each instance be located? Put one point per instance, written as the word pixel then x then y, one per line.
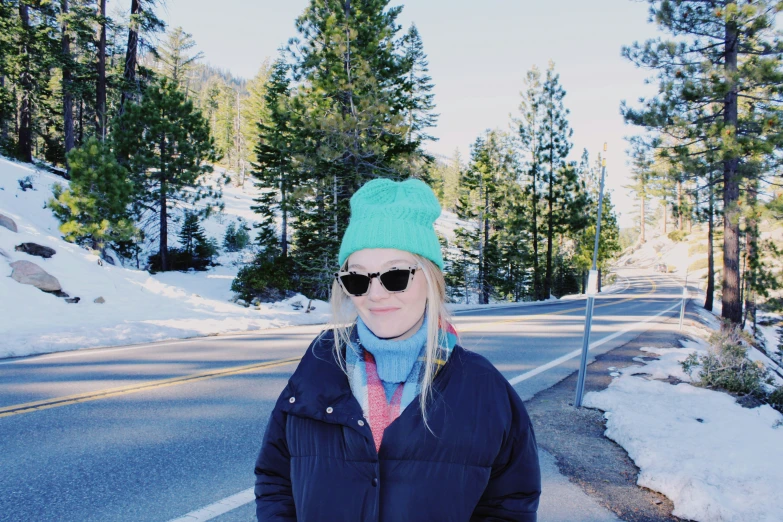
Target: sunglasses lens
pixel 356 284
pixel 396 280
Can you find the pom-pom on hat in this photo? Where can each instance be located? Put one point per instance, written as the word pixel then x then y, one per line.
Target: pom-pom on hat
pixel 393 214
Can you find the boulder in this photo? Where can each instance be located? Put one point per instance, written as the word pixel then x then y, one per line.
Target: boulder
pixel 34 249
pixel 99 300
pixel 29 273
pixel 8 223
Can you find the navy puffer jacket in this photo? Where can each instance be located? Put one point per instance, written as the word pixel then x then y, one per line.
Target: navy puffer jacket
pixel 318 461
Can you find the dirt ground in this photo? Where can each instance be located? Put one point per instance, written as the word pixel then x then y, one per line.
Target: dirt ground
pixel 575 437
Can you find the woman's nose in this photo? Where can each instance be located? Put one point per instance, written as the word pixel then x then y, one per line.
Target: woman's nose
pixel 376 288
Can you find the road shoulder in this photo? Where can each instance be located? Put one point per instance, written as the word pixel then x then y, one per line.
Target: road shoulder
pixel 575 438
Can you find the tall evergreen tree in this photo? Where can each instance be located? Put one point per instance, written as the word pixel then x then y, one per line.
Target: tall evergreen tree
pixel 418 86
pixel 142 23
pixel 720 83
pixel 274 167
pixel 100 82
pixel 176 60
pixel 530 127
pixel 484 190
pixel 167 144
pixel 564 202
pixel 350 117
pixel 641 172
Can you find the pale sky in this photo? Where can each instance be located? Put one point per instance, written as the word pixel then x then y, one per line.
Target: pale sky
pixel 479 52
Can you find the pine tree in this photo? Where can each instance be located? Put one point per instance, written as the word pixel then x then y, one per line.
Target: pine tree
pixel 719 86
pixel 252 106
pixel 100 82
pixel 641 172
pixel 191 233
pixel 564 202
pixel 93 210
pixel 143 21
pixel 274 166
pixel 420 99
pixel 7 103
pixel 175 60
pixel 167 144
pixel 530 127
pixel 484 184
pixel 349 115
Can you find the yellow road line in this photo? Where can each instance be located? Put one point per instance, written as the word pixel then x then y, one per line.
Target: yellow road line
pixel 151 385
pixel 124 390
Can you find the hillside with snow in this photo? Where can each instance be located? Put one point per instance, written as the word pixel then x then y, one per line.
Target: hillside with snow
pixel 137 306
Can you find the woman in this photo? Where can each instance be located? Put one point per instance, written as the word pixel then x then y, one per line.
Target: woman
pixel 387 417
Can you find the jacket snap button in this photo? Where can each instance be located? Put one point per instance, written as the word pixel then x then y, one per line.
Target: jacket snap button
pixel 375 482
pixel 361 422
pixel 292 400
pixel 329 409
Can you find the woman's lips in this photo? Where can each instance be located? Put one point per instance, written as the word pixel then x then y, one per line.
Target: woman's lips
pixel 382 310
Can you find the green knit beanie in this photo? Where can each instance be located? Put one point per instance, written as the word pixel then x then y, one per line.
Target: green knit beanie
pixel 393 214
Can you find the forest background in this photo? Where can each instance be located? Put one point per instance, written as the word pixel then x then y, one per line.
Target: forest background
pixel 137 118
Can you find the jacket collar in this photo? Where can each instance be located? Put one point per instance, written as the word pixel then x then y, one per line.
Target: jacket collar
pixel 319 389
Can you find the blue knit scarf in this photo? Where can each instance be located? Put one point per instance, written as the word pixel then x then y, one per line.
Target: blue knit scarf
pixel 394 361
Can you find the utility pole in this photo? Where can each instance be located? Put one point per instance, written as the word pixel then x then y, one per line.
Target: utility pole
pixel 592 287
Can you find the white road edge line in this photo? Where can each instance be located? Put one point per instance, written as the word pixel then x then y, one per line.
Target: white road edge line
pixel 245 497
pixel 560 360
pixel 218 508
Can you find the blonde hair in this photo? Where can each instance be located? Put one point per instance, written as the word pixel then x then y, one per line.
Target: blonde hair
pixel 344 316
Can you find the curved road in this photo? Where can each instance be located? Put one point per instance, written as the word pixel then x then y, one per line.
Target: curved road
pixel 153 432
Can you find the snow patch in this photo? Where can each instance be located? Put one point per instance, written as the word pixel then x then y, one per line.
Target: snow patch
pixel 715 460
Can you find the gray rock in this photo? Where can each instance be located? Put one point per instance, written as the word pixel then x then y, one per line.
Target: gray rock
pixel 29 273
pixel 99 300
pixel 8 223
pixel 34 249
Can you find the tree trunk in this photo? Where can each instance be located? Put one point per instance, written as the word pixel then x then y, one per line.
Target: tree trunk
pixel 732 304
pixel 3 125
pixel 751 253
pixel 679 205
pixel 164 239
pixel 710 249
pixel 550 221
pixel 25 144
pixel 67 95
pixel 642 217
pixel 284 212
pixel 3 121
pixel 81 121
pixel 485 282
pixel 536 274
pixel 100 90
pixel 129 75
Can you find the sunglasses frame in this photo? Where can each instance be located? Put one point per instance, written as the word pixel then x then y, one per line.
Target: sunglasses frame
pixel 371 275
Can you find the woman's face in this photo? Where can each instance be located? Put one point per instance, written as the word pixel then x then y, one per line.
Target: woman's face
pixel 398 315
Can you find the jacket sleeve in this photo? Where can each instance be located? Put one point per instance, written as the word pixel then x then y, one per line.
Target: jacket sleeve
pixel 274 497
pixel 514 486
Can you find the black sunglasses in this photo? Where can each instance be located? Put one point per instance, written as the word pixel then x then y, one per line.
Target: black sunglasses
pixel 394 280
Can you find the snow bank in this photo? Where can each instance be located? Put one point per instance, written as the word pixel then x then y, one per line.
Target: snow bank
pixel 715 460
pixel 139 307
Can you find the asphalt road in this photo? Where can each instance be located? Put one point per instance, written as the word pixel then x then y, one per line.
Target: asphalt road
pixel 153 432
